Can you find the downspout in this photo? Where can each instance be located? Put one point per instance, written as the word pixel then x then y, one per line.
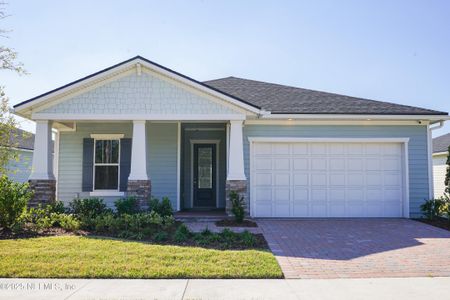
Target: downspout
pixel 430 157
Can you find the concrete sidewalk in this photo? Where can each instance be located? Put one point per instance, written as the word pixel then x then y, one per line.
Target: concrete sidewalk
pixel 108 289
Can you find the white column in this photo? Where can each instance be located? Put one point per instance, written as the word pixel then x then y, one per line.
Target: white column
pixel 42 167
pixel 236 152
pixel 139 152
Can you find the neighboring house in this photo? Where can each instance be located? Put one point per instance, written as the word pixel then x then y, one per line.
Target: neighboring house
pixel 138 128
pixel 20 169
pixel 440 154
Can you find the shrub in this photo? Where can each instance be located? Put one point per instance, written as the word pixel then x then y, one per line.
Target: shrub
pixel 182 234
pixel 161 236
pixel 67 222
pixel 14 198
pixel 57 207
pixel 88 207
pixel 433 208
pixel 248 239
pixel 129 205
pixel 237 206
pixel 163 208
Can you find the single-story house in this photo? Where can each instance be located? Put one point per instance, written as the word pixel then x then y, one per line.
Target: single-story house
pixel 23 144
pixel 138 128
pixel 440 154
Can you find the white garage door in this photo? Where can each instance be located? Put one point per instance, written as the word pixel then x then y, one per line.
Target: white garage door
pixel 312 179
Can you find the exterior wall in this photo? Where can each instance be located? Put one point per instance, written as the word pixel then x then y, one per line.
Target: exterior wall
pixel 418 162
pixel 187 135
pixel 162 160
pixel 439 170
pixel 71 157
pixel 141 94
pixel 20 170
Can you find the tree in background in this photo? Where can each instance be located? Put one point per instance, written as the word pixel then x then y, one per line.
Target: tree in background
pixel 8 124
pixel 447 174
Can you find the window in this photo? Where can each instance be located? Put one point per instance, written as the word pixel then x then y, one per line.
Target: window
pixel 106 164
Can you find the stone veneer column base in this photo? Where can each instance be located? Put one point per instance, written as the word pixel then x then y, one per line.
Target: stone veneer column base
pixel 141 189
pixel 239 186
pixel 44 191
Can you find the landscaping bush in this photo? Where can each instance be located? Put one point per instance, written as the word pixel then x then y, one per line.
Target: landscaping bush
pixel 48 216
pixel 182 234
pixel 88 208
pixel 129 205
pixel 163 208
pixel 134 226
pixel 237 206
pixel 433 208
pixel 14 198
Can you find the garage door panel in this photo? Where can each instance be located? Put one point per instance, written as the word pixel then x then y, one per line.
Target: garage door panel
pixel 318 164
pixel 263 148
pixel 300 164
pixel 263 164
pixel 319 179
pixel 327 180
pixel 280 148
pixel 301 179
pixel 263 179
pixel 281 164
pixel 281 179
pixel 337 179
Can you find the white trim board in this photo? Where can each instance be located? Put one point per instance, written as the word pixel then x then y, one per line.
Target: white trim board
pixel 326 140
pixel 128 117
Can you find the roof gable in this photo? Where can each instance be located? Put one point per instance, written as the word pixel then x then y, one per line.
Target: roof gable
pixel 139 65
pixel 138 94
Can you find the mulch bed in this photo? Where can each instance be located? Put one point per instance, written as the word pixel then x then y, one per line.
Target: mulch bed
pixel 54 231
pixel 438 222
pixel 233 223
pixel 208 243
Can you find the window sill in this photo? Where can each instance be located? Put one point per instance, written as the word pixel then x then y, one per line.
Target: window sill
pixel 106 194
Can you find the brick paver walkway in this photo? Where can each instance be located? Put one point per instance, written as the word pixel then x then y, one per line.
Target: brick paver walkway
pixel 358 248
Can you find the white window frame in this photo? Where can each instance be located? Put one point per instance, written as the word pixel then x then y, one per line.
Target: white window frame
pixel 109 137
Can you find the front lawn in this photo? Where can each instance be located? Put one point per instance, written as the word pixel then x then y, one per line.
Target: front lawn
pixel 98 257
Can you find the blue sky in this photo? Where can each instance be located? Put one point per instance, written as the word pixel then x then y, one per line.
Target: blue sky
pixel 395 51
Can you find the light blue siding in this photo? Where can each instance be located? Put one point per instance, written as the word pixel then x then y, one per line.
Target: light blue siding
pixel 71 157
pixel 19 170
pixel 418 161
pixel 162 160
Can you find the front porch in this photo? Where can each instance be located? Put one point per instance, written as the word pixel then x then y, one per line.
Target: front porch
pixel 194 163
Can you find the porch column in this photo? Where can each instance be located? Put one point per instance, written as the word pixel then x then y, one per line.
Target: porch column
pixel 41 180
pixel 139 184
pixel 236 180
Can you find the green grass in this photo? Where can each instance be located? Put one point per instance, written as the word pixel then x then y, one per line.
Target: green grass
pixel 88 257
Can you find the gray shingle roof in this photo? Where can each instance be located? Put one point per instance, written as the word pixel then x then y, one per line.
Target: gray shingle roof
pixel 441 143
pixel 23 139
pixel 279 99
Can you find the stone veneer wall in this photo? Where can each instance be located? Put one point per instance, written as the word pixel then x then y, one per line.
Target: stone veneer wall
pixel 239 186
pixel 44 191
pixel 141 189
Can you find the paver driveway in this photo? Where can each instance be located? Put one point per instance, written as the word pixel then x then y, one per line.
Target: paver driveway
pixel 357 248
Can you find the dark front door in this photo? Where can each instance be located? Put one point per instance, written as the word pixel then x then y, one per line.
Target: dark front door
pixel 204 175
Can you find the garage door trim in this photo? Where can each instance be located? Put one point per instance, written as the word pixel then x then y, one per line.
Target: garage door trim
pixel 405 165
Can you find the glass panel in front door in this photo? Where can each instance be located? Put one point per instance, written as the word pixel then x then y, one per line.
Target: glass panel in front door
pixel 205 168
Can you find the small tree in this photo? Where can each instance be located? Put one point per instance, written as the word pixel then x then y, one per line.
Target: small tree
pixel 237 206
pixel 8 124
pixel 447 174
